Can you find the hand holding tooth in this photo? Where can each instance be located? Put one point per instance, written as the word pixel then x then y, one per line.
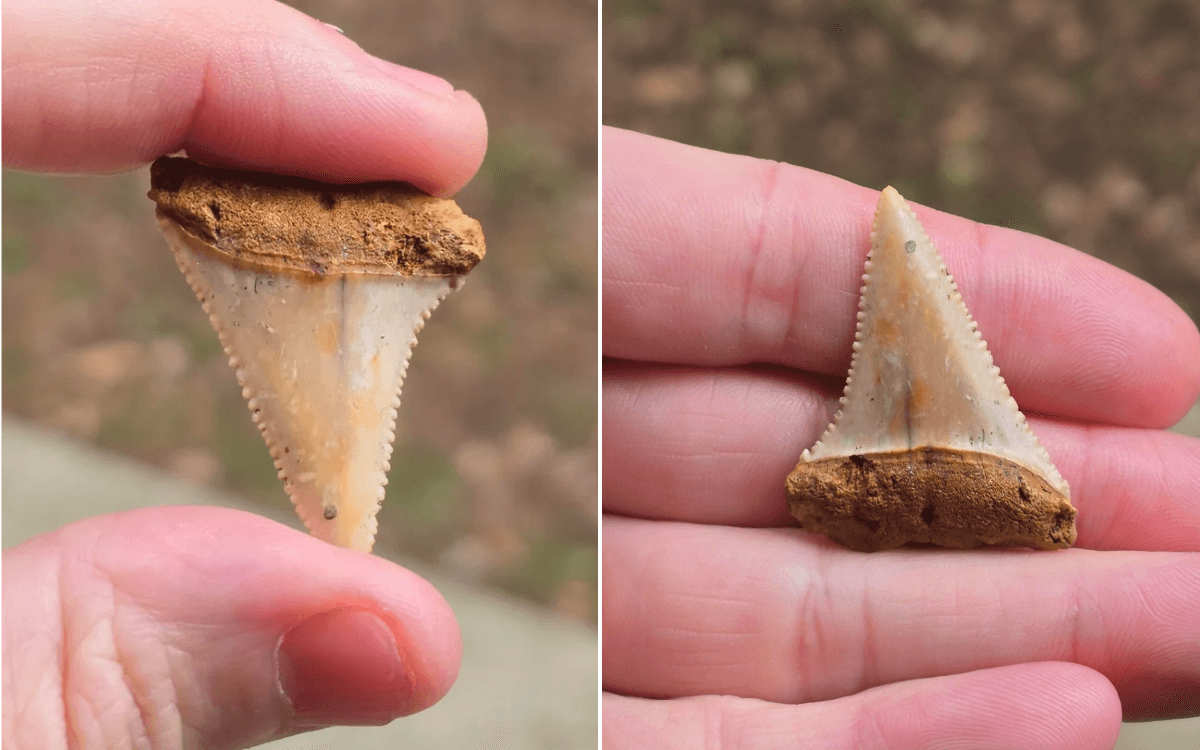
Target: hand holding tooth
pixel 201 626
pixel 731 289
pixel 317 292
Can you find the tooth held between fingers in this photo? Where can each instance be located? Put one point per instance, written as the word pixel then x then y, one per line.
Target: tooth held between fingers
pixel 317 293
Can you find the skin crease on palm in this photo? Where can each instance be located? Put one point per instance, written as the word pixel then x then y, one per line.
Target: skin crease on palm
pixel 176 627
pixel 730 291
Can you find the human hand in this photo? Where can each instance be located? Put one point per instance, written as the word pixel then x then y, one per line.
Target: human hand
pixel 194 627
pixel 719 272
pixel 108 86
pixel 203 627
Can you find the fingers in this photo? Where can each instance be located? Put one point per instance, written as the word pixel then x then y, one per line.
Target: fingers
pixel 1043 706
pixel 714 446
pixel 786 617
pixel 211 628
pixel 714 259
pixel 104 87
pixel 705 445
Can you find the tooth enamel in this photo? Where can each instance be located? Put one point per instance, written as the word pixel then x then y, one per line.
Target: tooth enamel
pixel 927 446
pixel 317 293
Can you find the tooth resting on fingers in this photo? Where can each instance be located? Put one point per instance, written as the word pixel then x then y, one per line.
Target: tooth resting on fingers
pixel 927 446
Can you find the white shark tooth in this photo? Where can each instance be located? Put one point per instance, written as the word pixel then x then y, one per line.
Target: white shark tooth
pixel 928 446
pixel 317 292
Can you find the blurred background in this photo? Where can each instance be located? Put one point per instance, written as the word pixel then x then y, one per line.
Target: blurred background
pixel 1078 120
pixel 493 477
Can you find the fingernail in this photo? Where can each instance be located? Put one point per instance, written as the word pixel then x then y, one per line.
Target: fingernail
pixel 416 78
pixel 344 667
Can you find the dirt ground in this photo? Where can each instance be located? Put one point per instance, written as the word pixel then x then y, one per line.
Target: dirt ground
pixel 494 473
pixel 1079 121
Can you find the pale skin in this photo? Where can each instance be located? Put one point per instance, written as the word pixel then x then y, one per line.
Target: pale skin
pixel 730 291
pixel 176 627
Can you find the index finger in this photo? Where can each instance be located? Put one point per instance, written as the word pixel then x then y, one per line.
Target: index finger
pixel 105 87
pixel 713 259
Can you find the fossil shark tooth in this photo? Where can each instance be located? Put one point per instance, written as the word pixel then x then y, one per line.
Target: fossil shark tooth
pixel 927 446
pixel 317 292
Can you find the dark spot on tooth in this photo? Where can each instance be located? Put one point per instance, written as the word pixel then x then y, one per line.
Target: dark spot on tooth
pixel 215 209
pixel 910 246
pixel 330 513
pixel 327 201
pixel 169 174
pixel 419 244
pixel 870 523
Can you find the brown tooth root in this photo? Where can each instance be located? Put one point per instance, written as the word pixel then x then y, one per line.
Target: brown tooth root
pixel 930 495
pixel 927 446
pixel 318 309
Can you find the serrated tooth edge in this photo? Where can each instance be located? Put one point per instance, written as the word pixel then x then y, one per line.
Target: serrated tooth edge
pixel 204 296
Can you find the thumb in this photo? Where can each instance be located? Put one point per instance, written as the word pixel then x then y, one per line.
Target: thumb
pixel 206 627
